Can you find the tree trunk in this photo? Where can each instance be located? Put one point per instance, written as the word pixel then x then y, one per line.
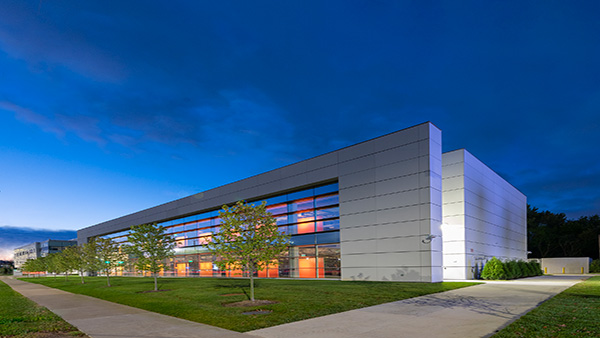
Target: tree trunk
pixel 66 276
pixel 81 274
pixel 107 278
pixel 251 284
pixel 155 282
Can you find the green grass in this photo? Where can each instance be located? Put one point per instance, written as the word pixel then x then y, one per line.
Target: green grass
pixel 201 299
pixel 572 313
pixel 20 317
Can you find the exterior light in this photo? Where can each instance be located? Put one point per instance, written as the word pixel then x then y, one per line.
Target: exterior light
pixel 428 239
pixel 107 262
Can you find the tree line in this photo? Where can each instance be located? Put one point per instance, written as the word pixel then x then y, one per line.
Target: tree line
pixel 553 235
pixel 248 239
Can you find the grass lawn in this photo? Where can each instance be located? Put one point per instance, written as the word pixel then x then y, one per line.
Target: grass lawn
pixel 20 317
pixel 202 299
pixel 573 313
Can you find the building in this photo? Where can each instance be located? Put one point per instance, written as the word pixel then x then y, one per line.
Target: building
pixel 54 245
pixel 26 252
pixel 40 249
pixel 371 211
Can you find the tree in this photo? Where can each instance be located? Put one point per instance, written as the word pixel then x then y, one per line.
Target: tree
pixel 61 263
pixel 105 255
pixel 75 256
pixel 150 246
pixel 248 239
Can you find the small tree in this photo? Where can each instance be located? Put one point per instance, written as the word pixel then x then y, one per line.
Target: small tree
pixel 494 269
pixel 108 255
pixel 76 259
pixel 150 246
pixel 248 239
pixel 61 263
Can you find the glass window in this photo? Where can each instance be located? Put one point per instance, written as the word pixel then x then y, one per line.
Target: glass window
pixel 205 231
pixel 205 223
pixel 303 204
pixel 276 200
pixel 277 209
pixel 324 201
pixel 328 213
pixel 302 240
pixel 332 224
pixel 328 237
pixel 300 194
pixel 191 226
pixel 307 251
pixel 326 189
pixel 303 216
pixel 301 228
pixel 178 228
pixel 281 220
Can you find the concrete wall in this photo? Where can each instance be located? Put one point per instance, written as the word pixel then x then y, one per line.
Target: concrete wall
pixel 571 265
pixel 484 216
pixel 390 200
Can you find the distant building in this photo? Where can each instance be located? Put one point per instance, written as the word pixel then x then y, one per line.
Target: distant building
pixel 40 249
pixel 55 245
pixel 26 252
pixel 393 208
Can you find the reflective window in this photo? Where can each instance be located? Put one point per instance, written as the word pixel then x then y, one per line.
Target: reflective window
pixel 303 216
pixel 328 213
pixel 303 204
pixel 324 201
pixel 277 209
pixel 328 225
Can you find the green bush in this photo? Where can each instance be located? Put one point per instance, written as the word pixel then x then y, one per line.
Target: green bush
pixel 513 269
pixel 595 266
pixel 525 269
pixel 536 268
pixel 494 269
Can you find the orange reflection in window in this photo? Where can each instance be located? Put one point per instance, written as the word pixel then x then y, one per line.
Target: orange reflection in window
pixel 307 268
pixel 181 268
pixel 206 269
pixel 304 228
pixel 272 271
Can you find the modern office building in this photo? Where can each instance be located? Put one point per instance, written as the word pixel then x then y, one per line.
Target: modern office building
pixel 393 208
pixel 40 249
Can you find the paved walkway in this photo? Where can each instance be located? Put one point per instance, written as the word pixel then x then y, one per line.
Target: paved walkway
pixel 99 318
pixel 476 311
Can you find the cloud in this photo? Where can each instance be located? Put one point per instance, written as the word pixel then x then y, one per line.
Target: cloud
pixel 14 237
pixel 46 43
pixel 29 116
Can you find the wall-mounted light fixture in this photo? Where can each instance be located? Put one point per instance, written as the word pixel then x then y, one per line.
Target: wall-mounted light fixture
pixel 428 238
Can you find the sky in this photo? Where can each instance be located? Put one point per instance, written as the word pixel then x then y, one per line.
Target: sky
pixel 111 107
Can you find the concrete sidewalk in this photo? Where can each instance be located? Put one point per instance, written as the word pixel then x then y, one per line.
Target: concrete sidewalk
pixel 99 318
pixel 476 311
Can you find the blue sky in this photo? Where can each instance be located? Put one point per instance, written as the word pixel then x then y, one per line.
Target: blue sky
pixel 107 108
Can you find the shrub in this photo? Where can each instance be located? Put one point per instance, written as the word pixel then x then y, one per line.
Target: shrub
pixel 525 269
pixel 595 266
pixel 536 268
pixel 494 269
pixel 513 269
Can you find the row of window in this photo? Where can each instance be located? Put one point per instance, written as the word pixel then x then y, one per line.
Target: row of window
pixel 284 206
pixel 314 261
